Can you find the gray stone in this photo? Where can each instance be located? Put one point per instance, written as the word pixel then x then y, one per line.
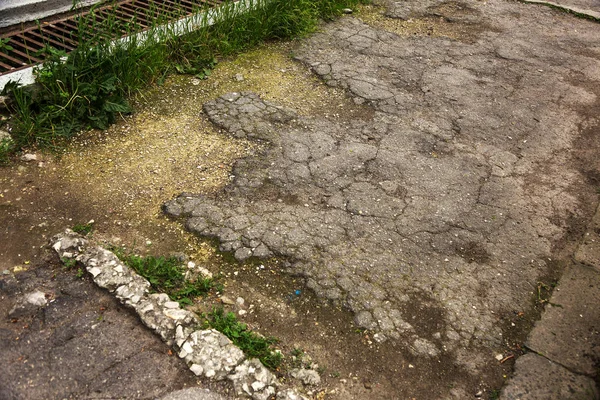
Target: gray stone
pixel 81 345
pixel 537 378
pixel 28 304
pixel 290 394
pixel 29 157
pixel 227 300
pixel 68 244
pixel 306 376
pixel 424 347
pixel 36 298
pixel 193 394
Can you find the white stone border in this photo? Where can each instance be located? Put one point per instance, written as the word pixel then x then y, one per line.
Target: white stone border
pixel 207 352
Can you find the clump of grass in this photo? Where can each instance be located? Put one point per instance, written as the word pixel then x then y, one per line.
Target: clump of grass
pixel 251 343
pixel 167 275
pixel 89 87
pixel 83 229
pixel 7 147
pixel 69 262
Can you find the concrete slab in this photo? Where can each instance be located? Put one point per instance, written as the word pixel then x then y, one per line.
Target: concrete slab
pixel 593 5
pixel 539 378
pixel 591 8
pixel 569 332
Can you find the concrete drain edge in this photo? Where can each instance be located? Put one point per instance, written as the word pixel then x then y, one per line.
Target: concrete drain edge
pixel 207 353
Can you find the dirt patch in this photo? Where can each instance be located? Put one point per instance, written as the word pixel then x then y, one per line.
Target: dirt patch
pixel 452 20
pixel 473 252
pixel 351 362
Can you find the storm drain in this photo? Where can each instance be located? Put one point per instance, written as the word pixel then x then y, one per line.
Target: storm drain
pixel 24 48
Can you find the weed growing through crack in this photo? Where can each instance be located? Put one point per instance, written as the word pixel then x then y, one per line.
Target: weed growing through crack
pixel 167 275
pixel 83 229
pixel 297 359
pixel 71 263
pixel 251 343
pixel 68 262
pixel 7 147
pixel 89 87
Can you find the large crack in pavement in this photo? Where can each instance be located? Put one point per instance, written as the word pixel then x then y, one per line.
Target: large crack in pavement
pixel 436 214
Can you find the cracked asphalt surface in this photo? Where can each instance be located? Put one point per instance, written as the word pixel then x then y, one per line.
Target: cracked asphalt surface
pixel 433 212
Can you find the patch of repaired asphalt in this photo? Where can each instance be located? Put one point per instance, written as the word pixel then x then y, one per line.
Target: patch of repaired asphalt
pixel 456 190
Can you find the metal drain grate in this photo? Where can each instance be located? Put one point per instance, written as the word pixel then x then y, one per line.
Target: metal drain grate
pixel 24 48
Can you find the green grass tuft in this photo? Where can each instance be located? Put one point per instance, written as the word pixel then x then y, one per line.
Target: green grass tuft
pixel 83 229
pixel 167 275
pixel 7 147
pixel 251 343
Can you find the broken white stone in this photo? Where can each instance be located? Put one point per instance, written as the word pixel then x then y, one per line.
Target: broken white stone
pixel 175 314
pixel 227 300
pixel 146 307
pixel 36 298
pixel 171 304
pixel 29 157
pixel 254 379
pixel 95 271
pixel 213 351
pixel 196 369
pixel 160 298
pixel 290 394
pixel 204 272
pixel 188 348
